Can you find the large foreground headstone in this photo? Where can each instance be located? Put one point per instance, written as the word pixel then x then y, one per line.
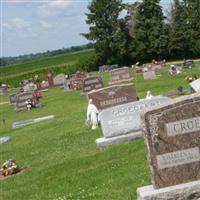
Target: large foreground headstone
pixel 120 75
pixel 172 134
pixel 113 95
pixel 92 83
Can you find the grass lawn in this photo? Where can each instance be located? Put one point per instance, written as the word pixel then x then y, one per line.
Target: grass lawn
pixel 61 157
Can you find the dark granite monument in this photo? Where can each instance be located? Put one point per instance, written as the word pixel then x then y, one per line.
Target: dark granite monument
pixel 172 135
pixel 92 83
pixel 113 95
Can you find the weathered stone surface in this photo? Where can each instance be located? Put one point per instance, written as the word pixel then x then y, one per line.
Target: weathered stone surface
pixel 4 139
pixel 92 83
pixel 113 95
pixel 23 123
pixel 172 134
pixel 13 98
pixel 187 191
pixel 22 98
pixel 149 75
pixel 196 85
pixel 120 75
pixel 59 80
pixel 125 118
pixel 104 142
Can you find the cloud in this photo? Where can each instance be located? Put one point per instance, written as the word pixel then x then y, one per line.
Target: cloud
pixel 53 8
pixel 45 25
pixel 17 23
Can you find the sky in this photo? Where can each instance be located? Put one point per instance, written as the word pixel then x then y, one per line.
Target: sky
pixel 32 26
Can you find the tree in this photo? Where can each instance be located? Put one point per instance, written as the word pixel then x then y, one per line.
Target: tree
pixel 151 33
pixel 108 31
pixel 185 29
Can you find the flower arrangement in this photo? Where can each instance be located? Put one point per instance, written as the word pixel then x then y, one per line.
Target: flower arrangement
pixel 9 167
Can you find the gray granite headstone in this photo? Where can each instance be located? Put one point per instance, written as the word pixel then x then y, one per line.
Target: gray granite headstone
pixel 125 118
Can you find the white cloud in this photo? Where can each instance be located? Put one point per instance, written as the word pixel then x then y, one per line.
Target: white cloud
pixel 45 25
pixel 59 4
pixel 17 23
pixel 53 8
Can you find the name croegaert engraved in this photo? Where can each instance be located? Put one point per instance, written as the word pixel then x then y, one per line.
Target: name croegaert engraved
pixel 183 126
pixel 178 158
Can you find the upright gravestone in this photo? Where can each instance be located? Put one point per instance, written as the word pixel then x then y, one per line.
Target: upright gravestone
pixel 196 85
pixel 13 99
pixel 113 95
pixel 92 83
pixel 122 122
pixel 120 75
pixel 22 98
pixel 59 80
pixel 172 134
pixel 49 78
pixel 149 75
pixel 3 90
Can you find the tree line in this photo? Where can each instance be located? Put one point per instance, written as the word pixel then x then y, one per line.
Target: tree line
pixel 19 59
pixel 144 32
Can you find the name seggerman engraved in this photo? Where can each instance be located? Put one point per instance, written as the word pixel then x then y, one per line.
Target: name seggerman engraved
pixel 178 158
pixel 183 126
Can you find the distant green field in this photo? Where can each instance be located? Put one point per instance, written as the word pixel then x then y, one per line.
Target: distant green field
pixel 61 159
pixel 42 63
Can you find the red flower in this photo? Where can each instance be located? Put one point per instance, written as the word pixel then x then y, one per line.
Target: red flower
pixel 14 161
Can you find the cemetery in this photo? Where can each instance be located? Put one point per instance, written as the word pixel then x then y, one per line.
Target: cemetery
pixel 117 117
pixel 117 145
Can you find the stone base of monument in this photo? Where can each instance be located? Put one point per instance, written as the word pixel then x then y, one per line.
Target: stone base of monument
pixel 104 142
pixel 186 191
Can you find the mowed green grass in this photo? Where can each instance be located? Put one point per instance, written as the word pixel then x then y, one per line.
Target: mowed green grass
pixel 44 62
pixel 61 157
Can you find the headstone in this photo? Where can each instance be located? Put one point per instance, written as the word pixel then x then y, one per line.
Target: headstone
pixel 45 85
pixel 120 75
pixel 59 80
pixel 149 75
pixel 31 121
pixel 155 67
pixel 4 139
pixel 22 98
pixel 13 99
pixel 196 85
pixel 123 119
pixel 3 90
pixel 104 68
pixel 113 95
pixel 172 135
pixel 188 64
pixel 76 84
pixel 66 84
pixel 49 78
pixel 92 83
